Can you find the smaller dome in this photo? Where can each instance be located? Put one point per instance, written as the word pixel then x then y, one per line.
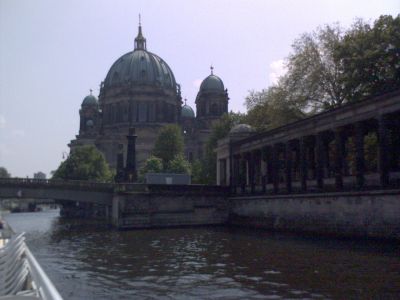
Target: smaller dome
pixel 241 128
pixel 212 83
pixel 89 100
pixel 187 112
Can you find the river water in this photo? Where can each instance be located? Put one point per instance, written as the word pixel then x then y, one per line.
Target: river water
pixel 88 261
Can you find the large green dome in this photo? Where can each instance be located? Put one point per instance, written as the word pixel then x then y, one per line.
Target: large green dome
pixel 140 67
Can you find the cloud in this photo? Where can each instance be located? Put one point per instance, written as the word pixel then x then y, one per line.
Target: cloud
pixel 2 122
pixel 278 69
pixel 18 133
pixel 197 83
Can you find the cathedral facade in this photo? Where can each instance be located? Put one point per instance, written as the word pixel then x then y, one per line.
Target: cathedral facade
pixel 140 91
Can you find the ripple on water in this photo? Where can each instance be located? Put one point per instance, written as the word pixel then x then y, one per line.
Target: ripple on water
pixel 89 262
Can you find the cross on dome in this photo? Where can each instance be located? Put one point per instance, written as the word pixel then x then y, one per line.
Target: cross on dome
pixel 212 69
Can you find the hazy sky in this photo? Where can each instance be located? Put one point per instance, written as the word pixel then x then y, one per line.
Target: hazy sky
pixel 53 52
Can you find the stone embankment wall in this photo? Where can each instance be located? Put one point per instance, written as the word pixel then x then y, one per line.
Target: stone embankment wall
pixel 363 214
pixel 168 206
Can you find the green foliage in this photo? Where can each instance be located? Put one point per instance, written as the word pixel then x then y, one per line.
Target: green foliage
pixel 271 108
pixel 4 173
pixel 370 57
pixel 179 165
pixel 206 169
pixel 328 68
pixel 371 151
pixel 313 79
pixel 152 165
pixel 196 168
pixel 169 144
pixel 84 163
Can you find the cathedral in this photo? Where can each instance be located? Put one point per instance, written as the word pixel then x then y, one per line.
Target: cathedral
pixel 140 91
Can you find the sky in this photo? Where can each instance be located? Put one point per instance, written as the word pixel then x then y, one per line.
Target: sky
pixel 53 52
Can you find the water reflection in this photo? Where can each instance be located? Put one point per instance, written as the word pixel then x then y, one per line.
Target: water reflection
pixel 88 261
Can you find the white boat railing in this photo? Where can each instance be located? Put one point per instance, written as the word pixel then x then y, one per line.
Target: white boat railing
pixel 13 266
pixel 21 275
pixel 46 289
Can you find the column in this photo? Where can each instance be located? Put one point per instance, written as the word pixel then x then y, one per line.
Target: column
pixel 218 172
pixel 327 156
pixel 303 163
pixel 236 173
pixel 275 167
pixel 383 163
pixel 288 167
pixel 130 168
pixel 360 160
pixel 339 158
pixel 243 173
pixel 252 171
pixel 264 157
pixel 230 165
pixel 119 176
pixel 319 170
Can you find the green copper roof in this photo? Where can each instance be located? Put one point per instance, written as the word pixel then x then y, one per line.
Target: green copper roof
pixel 187 112
pixel 212 83
pixel 140 67
pixel 89 100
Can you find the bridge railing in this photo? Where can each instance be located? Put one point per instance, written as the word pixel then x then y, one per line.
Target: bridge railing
pixel 59 183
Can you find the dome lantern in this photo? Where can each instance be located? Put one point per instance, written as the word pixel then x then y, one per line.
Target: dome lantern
pixel 140 40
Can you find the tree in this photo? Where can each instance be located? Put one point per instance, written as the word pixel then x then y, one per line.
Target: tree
pixel 152 165
pixel 313 79
pixel 271 108
pixel 4 173
pixel 207 173
pixel 169 144
pixel 84 163
pixel 179 165
pixel 328 68
pixel 370 56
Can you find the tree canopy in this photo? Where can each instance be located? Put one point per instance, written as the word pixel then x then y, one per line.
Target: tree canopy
pixel 4 173
pixel 328 68
pixel 84 163
pixel 169 144
pixel 179 165
pixel 204 171
pixel 271 108
pixel 370 57
pixel 167 153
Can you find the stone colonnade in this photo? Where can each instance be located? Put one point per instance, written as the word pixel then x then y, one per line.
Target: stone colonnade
pixel 352 154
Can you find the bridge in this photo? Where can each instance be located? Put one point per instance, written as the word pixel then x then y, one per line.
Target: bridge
pixel 70 190
pixel 127 205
